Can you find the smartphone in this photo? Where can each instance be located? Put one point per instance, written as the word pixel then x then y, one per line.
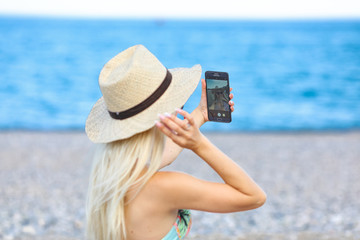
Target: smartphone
pixel 217 96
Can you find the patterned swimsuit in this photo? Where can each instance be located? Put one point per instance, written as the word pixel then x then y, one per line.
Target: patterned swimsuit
pixel 181 227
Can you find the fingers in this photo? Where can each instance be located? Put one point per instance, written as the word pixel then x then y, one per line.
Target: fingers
pixel 172 126
pixel 203 84
pixel 165 130
pixel 170 133
pixel 184 124
pixel 184 133
pixel 203 89
pixel 231 96
pixel 187 116
pixel 231 103
pixel 169 121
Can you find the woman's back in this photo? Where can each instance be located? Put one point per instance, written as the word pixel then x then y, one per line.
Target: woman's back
pixel 146 217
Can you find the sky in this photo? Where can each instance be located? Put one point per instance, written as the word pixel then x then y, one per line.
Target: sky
pixel 185 8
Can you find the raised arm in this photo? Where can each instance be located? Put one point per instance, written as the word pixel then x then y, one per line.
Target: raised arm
pixel 200 115
pixel 238 192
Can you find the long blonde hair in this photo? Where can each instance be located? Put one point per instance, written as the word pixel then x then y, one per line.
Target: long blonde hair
pixel 117 167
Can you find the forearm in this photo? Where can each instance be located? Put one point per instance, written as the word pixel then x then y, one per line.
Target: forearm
pixel 198 117
pixel 228 170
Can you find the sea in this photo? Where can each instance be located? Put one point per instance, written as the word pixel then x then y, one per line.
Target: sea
pixel 286 75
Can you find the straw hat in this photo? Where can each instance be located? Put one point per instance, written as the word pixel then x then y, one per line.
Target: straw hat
pixel 136 87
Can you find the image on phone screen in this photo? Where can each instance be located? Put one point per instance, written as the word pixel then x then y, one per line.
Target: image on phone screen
pixel 218 99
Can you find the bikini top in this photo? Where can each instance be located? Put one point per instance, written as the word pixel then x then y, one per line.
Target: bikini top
pixel 181 227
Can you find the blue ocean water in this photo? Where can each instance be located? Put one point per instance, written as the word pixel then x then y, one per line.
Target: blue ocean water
pixel 286 75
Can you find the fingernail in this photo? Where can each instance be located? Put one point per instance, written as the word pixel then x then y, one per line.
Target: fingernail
pixel 167 114
pixel 177 109
pixel 161 116
pixel 157 123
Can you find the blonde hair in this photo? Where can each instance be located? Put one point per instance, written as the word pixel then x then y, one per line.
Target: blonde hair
pixel 117 167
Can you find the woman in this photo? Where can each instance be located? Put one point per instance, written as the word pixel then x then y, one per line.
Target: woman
pixel 129 198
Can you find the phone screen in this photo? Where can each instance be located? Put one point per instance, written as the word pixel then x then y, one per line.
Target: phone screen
pixel 217 92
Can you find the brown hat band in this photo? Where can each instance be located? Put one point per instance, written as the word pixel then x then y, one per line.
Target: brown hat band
pixel 146 103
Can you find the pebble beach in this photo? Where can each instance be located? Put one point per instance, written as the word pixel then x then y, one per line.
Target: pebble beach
pixel 312 181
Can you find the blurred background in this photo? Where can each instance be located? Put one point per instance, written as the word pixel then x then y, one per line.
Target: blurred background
pixel 294 67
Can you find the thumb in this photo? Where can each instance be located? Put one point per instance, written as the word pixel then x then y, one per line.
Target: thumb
pixel 203 86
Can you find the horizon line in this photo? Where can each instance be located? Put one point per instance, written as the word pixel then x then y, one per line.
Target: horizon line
pixel 190 18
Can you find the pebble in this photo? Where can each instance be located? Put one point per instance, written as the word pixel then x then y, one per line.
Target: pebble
pixel 78 224
pixel 28 230
pixel 311 181
pixel 8 237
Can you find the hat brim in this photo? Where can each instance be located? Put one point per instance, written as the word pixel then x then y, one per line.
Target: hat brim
pixel 102 128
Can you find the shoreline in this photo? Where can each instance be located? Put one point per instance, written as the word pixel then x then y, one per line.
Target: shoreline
pixel 334 132
pixel 311 180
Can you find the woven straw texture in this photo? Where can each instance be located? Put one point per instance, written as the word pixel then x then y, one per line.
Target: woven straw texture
pixel 127 80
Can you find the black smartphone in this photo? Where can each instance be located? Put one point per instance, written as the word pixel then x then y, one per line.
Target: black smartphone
pixel 217 95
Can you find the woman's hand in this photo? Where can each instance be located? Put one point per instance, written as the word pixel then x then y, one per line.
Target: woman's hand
pixel 201 113
pixel 199 116
pixel 184 133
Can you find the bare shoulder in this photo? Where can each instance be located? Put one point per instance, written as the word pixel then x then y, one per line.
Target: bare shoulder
pixel 177 190
pixel 165 181
pixel 162 188
pixel 166 184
